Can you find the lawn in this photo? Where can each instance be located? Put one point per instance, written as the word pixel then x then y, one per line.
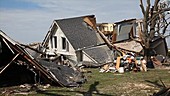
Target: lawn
pixel 113 84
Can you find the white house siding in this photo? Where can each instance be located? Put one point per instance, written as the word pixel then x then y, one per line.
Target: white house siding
pixel 59 34
pixel 71 54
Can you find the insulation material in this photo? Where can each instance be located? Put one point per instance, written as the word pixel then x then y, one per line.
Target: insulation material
pixel 130 46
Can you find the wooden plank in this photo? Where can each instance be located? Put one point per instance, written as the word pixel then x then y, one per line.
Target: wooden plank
pixel 8 45
pixel 9 63
pixel 118 63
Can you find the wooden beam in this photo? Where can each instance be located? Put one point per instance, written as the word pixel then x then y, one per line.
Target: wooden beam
pixel 118 62
pixel 9 63
pixel 8 46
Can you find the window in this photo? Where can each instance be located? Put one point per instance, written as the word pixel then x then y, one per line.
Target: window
pixel 111 28
pixel 51 41
pixel 55 41
pixel 65 44
pixel 105 28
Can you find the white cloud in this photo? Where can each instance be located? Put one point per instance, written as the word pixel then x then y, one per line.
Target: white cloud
pixel 31 25
pixel 25 26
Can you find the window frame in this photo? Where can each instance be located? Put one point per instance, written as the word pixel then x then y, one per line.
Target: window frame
pixel 65 44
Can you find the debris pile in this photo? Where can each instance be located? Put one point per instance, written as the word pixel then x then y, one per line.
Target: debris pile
pixel 126 63
pixel 18 66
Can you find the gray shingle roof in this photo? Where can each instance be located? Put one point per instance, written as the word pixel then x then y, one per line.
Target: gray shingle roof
pixel 83 37
pixel 77 32
pixel 101 54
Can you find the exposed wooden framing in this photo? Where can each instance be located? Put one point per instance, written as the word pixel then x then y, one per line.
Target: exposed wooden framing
pixel 3 35
pixel 91 22
pixel 9 63
pixel 108 42
pixel 28 59
pixel 33 62
pixel 118 62
pixel 105 39
pixel 26 46
pixel 8 45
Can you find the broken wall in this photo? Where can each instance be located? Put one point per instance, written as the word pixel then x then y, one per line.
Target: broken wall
pixel 13 74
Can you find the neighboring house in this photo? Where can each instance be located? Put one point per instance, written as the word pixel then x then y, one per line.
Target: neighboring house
pixel 119 31
pixel 125 30
pixel 122 34
pixel 106 28
pixel 74 38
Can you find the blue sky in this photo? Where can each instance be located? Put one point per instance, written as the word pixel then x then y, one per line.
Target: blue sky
pixel 16 4
pixel 28 21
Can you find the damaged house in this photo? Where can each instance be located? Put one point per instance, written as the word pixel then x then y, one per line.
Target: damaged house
pixel 129 38
pixel 159 43
pixel 18 66
pixel 122 34
pixel 126 36
pixel 77 40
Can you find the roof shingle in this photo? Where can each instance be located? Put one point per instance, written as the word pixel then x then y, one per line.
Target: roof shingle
pixel 78 32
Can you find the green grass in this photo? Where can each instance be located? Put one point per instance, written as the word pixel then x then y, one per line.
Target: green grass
pixel 114 84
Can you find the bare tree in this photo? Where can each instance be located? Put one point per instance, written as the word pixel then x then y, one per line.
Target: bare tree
pixel 155 22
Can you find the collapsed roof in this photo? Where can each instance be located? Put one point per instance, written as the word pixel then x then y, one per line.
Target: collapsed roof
pixel 17 66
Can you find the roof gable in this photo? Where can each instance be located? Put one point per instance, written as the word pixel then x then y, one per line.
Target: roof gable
pixel 78 32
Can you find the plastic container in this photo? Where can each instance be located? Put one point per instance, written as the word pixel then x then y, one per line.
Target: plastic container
pixel 121 70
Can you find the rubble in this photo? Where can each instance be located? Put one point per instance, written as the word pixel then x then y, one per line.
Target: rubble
pixel 18 66
pixel 59 60
pixel 125 38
